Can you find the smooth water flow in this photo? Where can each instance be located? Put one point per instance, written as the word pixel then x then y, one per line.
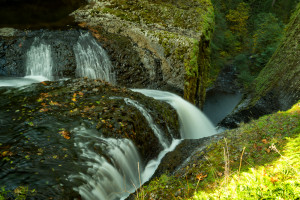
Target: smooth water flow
pixel 113 166
pixel 39 62
pixel 92 60
pixel 194 124
pixel 156 130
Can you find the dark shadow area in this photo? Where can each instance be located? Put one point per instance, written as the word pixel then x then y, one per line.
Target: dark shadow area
pixel 37 13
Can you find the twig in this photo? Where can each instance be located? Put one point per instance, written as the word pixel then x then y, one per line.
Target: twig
pixel 241 159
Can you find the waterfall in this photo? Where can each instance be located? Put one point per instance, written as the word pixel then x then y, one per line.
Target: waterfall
pixel 157 131
pixel 39 62
pixel 92 60
pixel 110 176
pixel 193 123
pixel 113 171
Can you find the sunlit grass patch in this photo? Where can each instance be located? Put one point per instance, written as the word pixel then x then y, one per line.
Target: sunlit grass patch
pixel 279 179
pixel 259 160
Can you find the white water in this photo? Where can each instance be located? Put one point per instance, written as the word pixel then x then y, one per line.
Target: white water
pixel 20 81
pixel 116 175
pixel 92 60
pixel 156 130
pixel 193 123
pixel 153 164
pixel 106 179
pixel 39 62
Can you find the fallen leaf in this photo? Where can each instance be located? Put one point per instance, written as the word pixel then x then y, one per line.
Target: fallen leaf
pixel 255 146
pixel 200 176
pixel 5 153
pixel 82 25
pixel 274 179
pixel 265 141
pixel 44 110
pixel 65 134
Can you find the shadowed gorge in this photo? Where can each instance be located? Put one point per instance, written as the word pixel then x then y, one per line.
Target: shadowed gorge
pixel 37 13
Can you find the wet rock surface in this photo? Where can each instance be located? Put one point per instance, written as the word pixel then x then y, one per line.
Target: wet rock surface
pixel 13 51
pixel 36 124
pixel 168 39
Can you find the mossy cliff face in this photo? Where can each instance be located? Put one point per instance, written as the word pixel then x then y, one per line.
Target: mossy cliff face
pixel 278 85
pixel 170 41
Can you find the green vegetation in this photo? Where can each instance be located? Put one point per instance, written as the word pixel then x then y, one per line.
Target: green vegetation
pixel 276 73
pixel 19 193
pixel 259 160
pixel 251 29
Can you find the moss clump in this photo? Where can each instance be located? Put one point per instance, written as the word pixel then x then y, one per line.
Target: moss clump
pixel 180 14
pixel 269 150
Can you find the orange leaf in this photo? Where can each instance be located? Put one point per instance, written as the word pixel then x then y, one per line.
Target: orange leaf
pixel 264 141
pixel 65 134
pixel 255 146
pixel 82 25
pixel 5 153
pixel 200 176
pixel 274 179
pixel 43 83
pixel 44 110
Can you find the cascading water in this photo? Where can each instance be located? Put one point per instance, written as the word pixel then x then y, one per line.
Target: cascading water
pixel 193 122
pixel 92 60
pixel 112 175
pixel 156 130
pixel 115 173
pixel 39 62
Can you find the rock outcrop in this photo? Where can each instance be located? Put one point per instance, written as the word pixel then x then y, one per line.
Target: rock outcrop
pixel 39 126
pixel 278 85
pixel 156 44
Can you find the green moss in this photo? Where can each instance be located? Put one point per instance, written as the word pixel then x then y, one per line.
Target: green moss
pixel 179 28
pixel 270 141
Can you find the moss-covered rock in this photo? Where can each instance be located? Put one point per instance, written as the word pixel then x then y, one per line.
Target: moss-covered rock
pixel 222 159
pixel 277 87
pixel 38 126
pixel 170 38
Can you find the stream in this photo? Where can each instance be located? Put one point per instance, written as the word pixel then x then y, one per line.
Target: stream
pixel 92 164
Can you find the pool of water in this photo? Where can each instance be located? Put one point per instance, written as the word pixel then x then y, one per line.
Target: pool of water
pixel 219 104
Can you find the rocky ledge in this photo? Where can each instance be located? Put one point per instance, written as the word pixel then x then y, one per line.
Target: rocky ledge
pixel 38 130
pixel 157 44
